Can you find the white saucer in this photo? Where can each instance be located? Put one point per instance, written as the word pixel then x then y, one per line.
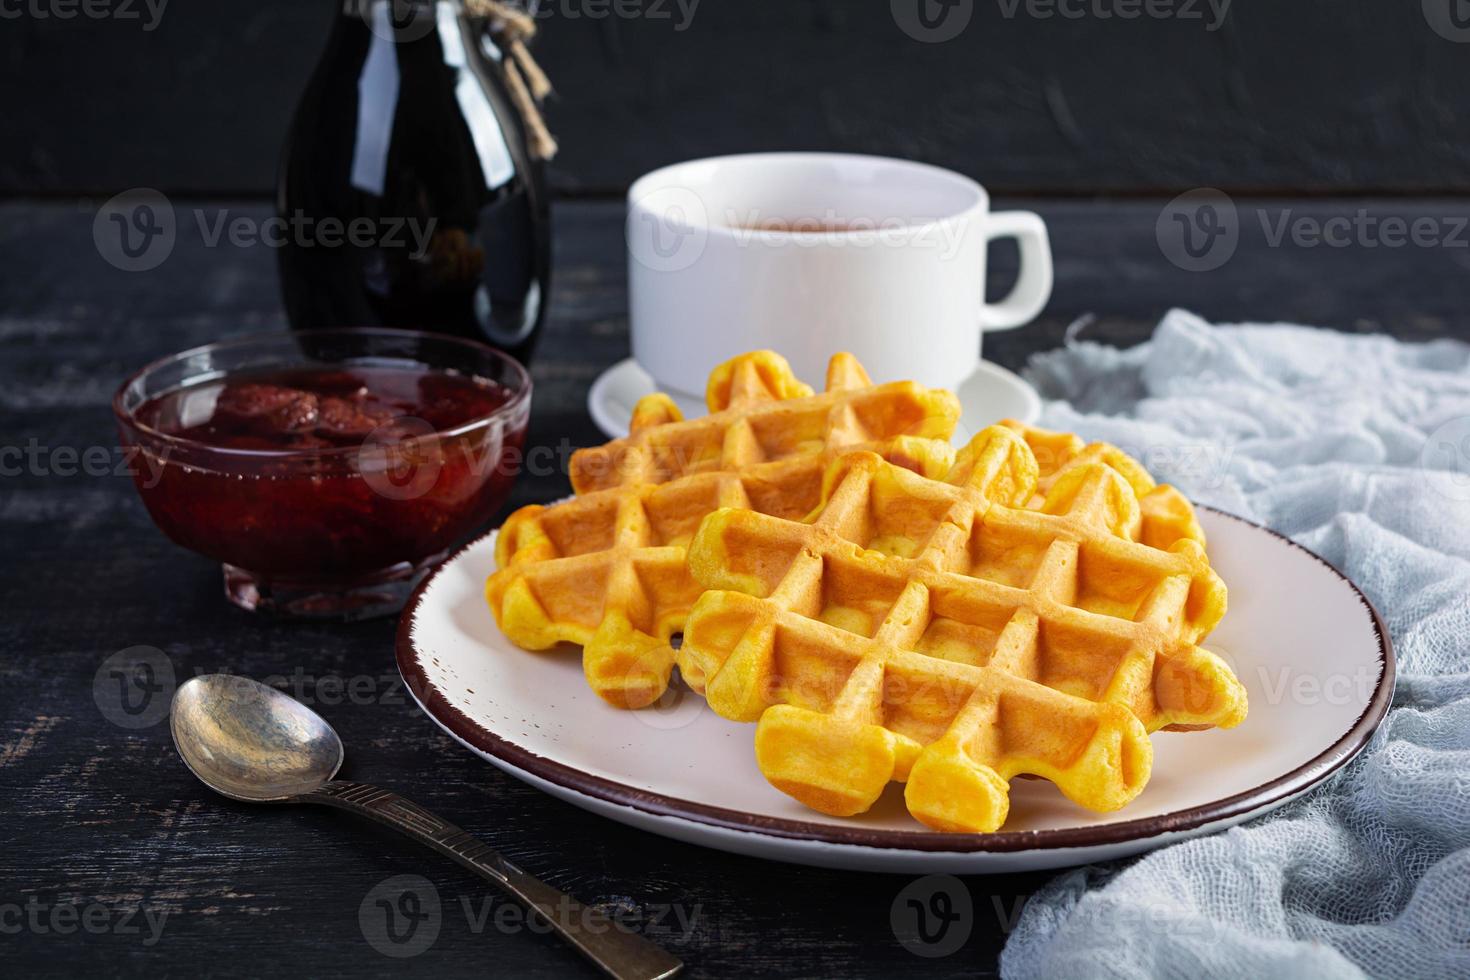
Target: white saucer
pixel 988 395
pixel 1308 646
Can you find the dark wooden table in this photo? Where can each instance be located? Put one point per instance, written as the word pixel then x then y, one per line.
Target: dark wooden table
pixel 116 859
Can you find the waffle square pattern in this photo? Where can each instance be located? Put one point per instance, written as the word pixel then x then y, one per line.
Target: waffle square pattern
pixel 607 568
pixel 1010 618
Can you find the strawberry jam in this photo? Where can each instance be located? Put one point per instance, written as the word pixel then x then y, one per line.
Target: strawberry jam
pixel 317 408
pixel 312 481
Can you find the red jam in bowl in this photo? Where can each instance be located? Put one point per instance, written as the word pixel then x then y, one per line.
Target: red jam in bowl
pixel 317 408
pixel 323 488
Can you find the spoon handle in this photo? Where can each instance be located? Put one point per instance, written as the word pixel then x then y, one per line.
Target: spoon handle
pixel 609 944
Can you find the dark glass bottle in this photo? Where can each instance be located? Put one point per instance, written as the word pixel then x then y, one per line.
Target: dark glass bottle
pixel 408 192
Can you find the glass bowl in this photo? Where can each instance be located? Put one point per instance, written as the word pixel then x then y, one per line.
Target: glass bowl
pixel 326 470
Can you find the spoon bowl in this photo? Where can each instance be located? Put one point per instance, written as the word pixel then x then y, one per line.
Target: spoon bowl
pixel 250 742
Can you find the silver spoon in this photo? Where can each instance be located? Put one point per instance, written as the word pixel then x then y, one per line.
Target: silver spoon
pixel 252 743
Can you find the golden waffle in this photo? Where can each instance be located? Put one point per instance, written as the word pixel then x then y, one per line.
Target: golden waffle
pixel 1166 513
pixel 607 568
pixel 945 634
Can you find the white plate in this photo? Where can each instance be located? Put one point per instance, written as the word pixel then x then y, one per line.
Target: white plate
pixel 1311 651
pixel 990 394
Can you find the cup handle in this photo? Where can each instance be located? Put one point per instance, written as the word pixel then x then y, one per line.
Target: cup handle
pixel 1033 286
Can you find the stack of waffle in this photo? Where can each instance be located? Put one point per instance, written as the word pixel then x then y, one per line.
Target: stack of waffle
pixel 882 608
pixel 606 569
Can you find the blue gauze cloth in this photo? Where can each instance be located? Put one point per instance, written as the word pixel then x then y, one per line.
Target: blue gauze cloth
pixel 1359 449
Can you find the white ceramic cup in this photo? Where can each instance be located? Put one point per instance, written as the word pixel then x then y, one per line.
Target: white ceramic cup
pixel 813 253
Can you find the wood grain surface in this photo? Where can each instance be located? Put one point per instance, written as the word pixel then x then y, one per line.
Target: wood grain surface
pixel 107 836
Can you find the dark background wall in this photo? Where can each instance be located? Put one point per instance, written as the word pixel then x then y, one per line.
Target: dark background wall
pixel 1292 96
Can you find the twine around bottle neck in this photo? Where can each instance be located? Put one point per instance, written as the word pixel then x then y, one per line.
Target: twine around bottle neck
pixel 527 84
